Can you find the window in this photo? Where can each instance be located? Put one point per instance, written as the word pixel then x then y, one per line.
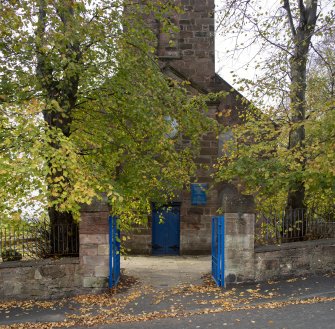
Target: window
pixel 199 194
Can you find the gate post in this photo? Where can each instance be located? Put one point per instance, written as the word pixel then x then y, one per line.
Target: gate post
pixel 239 240
pixel 94 248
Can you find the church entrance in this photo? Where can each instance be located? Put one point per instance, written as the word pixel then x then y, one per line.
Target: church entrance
pixel 166 230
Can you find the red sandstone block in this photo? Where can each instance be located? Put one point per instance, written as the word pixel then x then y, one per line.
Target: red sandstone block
pixel 195 210
pixel 93 239
pixel 101 271
pixel 88 250
pixel 94 223
pixel 86 270
pixel 207 211
pixel 95 260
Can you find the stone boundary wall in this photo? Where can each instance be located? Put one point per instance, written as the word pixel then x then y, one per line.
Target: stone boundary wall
pixel 52 278
pixel 294 259
pixel 42 279
pixel 245 263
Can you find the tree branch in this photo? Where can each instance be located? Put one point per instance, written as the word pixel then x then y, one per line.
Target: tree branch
pixel 287 7
pixel 311 12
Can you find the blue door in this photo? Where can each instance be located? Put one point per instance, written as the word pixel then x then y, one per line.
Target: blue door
pixel 166 230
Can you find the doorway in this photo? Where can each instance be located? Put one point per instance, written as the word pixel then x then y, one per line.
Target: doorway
pixel 166 230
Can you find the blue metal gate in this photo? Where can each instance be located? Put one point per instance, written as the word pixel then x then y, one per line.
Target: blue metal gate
pixel 114 252
pixel 166 230
pixel 218 250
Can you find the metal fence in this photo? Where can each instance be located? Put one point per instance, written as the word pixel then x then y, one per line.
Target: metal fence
pixel 37 239
pixel 293 225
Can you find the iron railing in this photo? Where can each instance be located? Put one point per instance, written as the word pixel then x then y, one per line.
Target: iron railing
pixel 293 225
pixel 37 239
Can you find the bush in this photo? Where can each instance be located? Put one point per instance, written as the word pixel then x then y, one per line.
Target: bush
pixel 10 255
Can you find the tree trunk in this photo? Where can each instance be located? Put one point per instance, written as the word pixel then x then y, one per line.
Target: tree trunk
pixel 63 235
pixel 298 68
pixel 296 194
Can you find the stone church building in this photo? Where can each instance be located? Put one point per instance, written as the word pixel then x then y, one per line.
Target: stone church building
pixel 187 224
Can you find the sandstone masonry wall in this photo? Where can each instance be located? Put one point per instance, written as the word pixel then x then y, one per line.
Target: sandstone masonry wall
pixel 294 259
pixel 195 221
pixel 50 278
pixel 244 263
pixel 45 279
pixel 239 247
pixel 41 279
pixel 193 51
pixel 191 57
pixel 94 245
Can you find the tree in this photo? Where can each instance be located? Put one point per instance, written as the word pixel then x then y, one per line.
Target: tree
pixel 99 108
pixel 274 151
pixel 321 116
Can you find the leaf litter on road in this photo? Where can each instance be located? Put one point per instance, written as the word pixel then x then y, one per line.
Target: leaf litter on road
pixel 112 308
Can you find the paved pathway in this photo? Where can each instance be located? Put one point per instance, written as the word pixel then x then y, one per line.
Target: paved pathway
pixel 167 271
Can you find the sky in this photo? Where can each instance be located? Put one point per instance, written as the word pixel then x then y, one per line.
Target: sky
pixel 225 64
pixel 229 62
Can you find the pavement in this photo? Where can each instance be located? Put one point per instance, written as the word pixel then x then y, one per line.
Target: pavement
pixel 163 272
pixel 297 317
pixel 178 292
